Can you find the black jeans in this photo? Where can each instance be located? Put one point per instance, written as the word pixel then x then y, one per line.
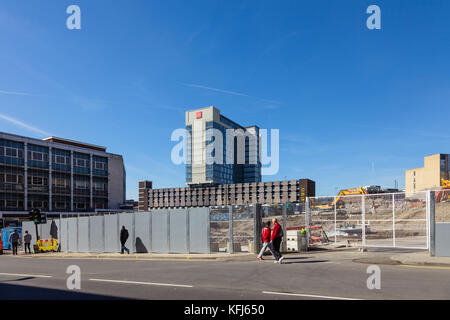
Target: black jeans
pixel 14 247
pixel 27 246
pixel 276 247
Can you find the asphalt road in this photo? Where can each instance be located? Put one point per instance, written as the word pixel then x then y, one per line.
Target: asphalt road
pixel 312 277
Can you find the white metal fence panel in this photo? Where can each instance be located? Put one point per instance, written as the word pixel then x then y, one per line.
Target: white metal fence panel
pixel 198 230
pixel 83 234
pixel 160 235
pixel 96 234
pixel 73 234
pixel 111 232
pixel 142 231
pixel 178 231
pixel 64 236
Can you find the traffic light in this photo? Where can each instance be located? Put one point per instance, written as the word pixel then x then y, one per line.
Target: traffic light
pixel 36 216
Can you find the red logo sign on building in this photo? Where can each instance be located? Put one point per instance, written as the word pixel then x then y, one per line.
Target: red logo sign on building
pixel 199 115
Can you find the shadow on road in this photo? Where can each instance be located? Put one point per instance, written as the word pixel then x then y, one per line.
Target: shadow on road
pixel 18 292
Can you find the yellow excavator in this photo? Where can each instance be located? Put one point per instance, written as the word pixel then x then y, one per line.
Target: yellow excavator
pixel 347 192
pixel 338 200
pixel 445 193
pixel 445 183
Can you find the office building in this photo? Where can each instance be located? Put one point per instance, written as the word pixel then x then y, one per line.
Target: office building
pixel 436 167
pixel 220 151
pixel 58 175
pixel 277 192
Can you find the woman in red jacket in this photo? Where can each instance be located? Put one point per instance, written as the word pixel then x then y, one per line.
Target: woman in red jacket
pixel 266 241
pixel 275 240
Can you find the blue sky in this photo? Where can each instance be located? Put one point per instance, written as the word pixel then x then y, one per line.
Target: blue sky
pixel 354 106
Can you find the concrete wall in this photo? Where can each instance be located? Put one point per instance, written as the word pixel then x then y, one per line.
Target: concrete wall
pixel 116 183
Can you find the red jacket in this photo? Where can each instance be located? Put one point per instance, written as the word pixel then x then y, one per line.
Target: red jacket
pixel 275 231
pixel 266 234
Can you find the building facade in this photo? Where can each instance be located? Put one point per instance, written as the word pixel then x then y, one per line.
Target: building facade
pixel 220 151
pixel 436 167
pixel 58 175
pixel 276 192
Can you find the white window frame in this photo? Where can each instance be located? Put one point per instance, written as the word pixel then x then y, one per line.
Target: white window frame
pixel 11 148
pixel 103 165
pixel 66 182
pixel 99 184
pixel 85 161
pixel 12 175
pixel 15 206
pixel 38 184
pixel 85 185
pixel 62 157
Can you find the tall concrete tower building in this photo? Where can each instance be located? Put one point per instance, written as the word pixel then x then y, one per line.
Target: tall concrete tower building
pixel 220 151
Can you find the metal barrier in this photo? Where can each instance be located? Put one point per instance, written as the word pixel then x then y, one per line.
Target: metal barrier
pixel 396 220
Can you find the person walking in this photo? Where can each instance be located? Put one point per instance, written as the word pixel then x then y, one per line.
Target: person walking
pixel 27 241
pixel 14 240
pixel 275 240
pixel 266 241
pixel 123 239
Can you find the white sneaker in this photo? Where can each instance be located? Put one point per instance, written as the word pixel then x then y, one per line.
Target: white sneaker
pixel 275 261
pixel 281 259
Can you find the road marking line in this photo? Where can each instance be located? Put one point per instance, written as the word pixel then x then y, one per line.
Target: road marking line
pixel 144 283
pixel 308 295
pixel 25 275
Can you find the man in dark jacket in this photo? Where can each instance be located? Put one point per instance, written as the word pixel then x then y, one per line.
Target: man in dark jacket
pixel 275 240
pixel 27 241
pixel 14 240
pixel 123 239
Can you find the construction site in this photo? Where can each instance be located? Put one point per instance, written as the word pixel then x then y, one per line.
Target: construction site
pixel 362 216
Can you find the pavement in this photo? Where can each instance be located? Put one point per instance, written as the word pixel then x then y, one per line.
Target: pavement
pixel 377 256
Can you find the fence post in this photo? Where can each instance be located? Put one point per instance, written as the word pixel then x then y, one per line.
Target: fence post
pixel 284 213
pixel 230 221
pixel 431 218
pixel 335 221
pixel 363 222
pixel 133 224
pixel 150 213
pixel 393 219
pixel 168 230
pixel 104 233
pixel 188 231
pixel 78 229
pixel 208 230
pixel 257 227
pixel 119 245
pixel 307 221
